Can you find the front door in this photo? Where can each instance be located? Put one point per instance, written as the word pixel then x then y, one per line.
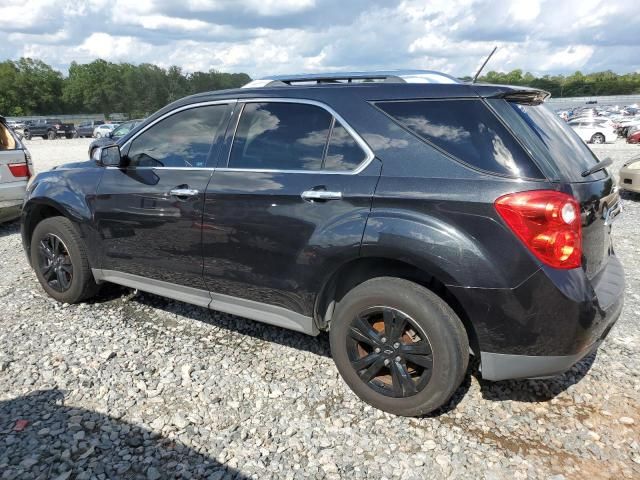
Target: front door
pixel 290 204
pixel 149 213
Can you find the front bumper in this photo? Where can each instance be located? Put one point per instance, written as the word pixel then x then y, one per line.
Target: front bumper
pixel 546 325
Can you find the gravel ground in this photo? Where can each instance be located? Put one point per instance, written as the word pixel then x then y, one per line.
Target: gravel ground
pixel 133 385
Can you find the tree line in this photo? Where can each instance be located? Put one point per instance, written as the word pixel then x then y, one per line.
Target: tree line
pixel 575 85
pixel 31 87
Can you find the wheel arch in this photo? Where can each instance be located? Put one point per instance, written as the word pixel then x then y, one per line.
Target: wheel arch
pixel 357 271
pixel 34 212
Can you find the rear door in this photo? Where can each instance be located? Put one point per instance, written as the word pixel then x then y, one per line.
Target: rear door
pixel 289 200
pixel 149 213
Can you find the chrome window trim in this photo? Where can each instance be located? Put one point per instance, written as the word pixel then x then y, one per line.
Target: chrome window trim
pixel 369 155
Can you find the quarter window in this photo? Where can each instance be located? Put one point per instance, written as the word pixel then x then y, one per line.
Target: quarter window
pixel 466 129
pixel 182 140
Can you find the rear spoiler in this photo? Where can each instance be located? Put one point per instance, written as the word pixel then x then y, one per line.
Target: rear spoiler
pixel 526 97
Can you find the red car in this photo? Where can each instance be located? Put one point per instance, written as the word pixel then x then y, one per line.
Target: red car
pixel 634 137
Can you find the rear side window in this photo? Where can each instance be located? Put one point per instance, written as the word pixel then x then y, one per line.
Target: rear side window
pixel 343 152
pixel 182 140
pixel 467 130
pixel 280 136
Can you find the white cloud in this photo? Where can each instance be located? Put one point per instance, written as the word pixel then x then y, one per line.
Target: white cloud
pixel 275 36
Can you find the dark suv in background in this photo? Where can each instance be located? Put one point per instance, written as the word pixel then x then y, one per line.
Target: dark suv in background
pixel 416 218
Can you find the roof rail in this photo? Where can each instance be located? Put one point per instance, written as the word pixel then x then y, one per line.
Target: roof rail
pixel 386 76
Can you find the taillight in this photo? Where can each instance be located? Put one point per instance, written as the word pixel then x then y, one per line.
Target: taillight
pixel 19 170
pixel 547 222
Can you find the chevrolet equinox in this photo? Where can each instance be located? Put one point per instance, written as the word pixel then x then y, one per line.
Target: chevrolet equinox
pixel 416 218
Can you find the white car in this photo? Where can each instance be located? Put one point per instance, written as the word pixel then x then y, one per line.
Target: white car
pixel 15 171
pixel 102 130
pixel 594 131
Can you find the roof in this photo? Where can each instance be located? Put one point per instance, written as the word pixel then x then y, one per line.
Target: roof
pixel 382 76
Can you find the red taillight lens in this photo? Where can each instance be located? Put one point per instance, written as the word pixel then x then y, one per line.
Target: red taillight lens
pixel 547 222
pixel 19 170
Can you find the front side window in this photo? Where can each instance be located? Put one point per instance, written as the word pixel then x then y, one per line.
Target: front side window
pixel 280 136
pixel 467 130
pixel 182 140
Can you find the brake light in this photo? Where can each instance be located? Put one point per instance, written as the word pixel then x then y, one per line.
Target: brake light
pixel 19 170
pixel 547 222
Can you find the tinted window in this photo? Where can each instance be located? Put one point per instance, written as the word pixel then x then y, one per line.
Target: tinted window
pixel 544 132
pixel 466 129
pixel 282 136
pixel 181 140
pixel 343 152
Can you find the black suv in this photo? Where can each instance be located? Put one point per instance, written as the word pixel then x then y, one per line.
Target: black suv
pixel 415 218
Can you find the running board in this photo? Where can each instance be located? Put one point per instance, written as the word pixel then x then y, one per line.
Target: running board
pixel 260 312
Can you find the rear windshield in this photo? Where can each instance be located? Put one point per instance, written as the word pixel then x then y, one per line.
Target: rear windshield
pixel 7 142
pixel 550 139
pixel 466 130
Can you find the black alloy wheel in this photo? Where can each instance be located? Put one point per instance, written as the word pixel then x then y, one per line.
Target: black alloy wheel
pixel 54 262
pixel 389 352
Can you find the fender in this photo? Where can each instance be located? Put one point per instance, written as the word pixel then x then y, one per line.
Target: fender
pixel 71 192
pixel 439 246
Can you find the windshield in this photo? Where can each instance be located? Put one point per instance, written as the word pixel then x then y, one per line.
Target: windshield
pixel 551 140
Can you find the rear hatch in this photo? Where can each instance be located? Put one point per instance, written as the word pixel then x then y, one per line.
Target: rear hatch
pixel 15 162
pixel 563 157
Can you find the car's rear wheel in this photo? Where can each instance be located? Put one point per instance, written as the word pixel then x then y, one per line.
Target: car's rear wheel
pixel 59 257
pixel 27 135
pixel 399 346
pixel 51 135
pixel 597 138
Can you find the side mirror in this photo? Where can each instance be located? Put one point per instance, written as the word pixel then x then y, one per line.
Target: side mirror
pixel 108 156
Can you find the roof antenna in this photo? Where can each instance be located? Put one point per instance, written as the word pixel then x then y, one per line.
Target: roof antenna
pixel 485 62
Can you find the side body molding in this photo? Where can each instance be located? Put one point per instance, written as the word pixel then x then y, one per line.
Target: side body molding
pixel 261 312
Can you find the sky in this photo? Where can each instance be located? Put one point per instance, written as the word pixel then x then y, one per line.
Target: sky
pixel 263 37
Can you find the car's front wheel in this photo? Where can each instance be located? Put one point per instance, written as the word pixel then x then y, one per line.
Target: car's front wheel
pixel 51 135
pixel 399 346
pixel 59 257
pixel 597 138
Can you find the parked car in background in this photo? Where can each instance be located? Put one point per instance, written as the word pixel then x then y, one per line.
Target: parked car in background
pixel 630 175
pixel 15 171
pixel 16 126
pixel 119 132
pixel 594 131
pixel 85 129
pixel 359 204
pixel 103 130
pixel 50 128
pixel 634 137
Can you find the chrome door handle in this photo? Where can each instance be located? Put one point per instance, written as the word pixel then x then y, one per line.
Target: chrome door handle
pixel 184 192
pixel 322 195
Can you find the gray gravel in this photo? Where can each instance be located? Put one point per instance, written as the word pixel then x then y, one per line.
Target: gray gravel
pixel 136 386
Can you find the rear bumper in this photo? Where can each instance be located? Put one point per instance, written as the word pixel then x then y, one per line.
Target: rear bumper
pixel 547 324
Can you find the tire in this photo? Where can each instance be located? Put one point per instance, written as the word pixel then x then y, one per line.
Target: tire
pixel 81 284
pixel 597 138
pixel 51 135
pixel 98 135
pixel 27 135
pixel 432 321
